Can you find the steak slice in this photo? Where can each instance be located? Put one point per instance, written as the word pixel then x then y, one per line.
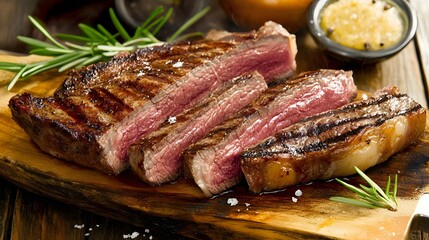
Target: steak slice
pixel 214 162
pixel 361 134
pixel 100 110
pixel 157 157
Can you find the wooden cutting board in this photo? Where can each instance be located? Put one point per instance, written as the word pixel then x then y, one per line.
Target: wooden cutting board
pixel 182 208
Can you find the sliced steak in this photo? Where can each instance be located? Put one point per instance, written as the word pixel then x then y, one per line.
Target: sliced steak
pixel 362 134
pixel 157 157
pixel 100 110
pixel 214 162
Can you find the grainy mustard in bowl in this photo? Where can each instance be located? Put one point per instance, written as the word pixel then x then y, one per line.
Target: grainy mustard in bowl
pixel 362 31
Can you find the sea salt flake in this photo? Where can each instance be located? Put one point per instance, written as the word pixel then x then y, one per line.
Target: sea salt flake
pixel 232 201
pixel 79 226
pixel 171 120
pixel 134 235
pixel 150 237
pixel 247 204
pixel 294 199
pixel 298 193
pixel 146 230
pixel 178 64
pixel 86 234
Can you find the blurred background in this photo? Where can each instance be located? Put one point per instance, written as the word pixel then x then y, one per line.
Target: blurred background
pixel 63 16
pixel 58 15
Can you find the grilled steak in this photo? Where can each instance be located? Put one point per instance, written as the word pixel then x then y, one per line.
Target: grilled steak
pixel 361 134
pixel 214 162
pixel 157 157
pixel 100 110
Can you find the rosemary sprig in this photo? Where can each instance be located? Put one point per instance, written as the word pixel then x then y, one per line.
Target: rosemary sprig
pixel 373 196
pixel 94 45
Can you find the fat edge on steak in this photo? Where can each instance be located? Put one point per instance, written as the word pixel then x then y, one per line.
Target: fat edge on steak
pixel 362 134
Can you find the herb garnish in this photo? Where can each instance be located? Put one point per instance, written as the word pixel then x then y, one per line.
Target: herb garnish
pixel 373 196
pixel 95 45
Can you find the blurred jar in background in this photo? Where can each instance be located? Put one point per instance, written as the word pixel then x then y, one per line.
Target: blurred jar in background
pixel 251 14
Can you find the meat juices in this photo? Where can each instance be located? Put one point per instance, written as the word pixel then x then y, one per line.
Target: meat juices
pixel 214 162
pixel 102 109
pixel 362 134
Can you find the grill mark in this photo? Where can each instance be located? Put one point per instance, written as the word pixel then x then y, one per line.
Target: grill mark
pixel 321 145
pixel 377 101
pixel 107 102
pixel 318 129
pixel 136 87
pixel 77 113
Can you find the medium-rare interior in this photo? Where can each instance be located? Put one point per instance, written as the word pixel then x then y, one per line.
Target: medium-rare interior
pixel 157 157
pixel 100 110
pixel 214 161
pixel 363 133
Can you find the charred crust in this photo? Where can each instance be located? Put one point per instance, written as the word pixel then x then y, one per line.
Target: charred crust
pixel 281 142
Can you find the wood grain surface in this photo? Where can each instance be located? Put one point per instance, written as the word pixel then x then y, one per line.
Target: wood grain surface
pixel 183 206
pixel 59 199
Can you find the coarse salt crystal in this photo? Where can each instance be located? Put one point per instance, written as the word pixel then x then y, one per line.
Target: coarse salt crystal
pixel 247 204
pixel 134 235
pixel 171 120
pixel 79 226
pixel 86 234
pixel 146 230
pixel 294 199
pixel 178 64
pixel 298 193
pixel 232 201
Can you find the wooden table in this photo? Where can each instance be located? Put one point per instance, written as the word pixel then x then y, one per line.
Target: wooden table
pixel 24 215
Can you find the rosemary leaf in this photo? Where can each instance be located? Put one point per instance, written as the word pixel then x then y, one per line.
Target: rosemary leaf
pixel 118 25
pixel 110 37
pixel 72 37
pixel 72 64
pixel 16 78
pixel 395 190
pixel 162 21
pixel 34 43
pixel 95 44
pixel 372 196
pixel 353 188
pixel 45 32
pixel 92 33
pixel 91 60
pixel 12 67
pixel 352 201
pixel 188 23
pixel 156 12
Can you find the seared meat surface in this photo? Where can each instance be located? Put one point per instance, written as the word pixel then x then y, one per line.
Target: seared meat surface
pixel 100 110
pixel 157 157
pixel 214 161
pixel 362 134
